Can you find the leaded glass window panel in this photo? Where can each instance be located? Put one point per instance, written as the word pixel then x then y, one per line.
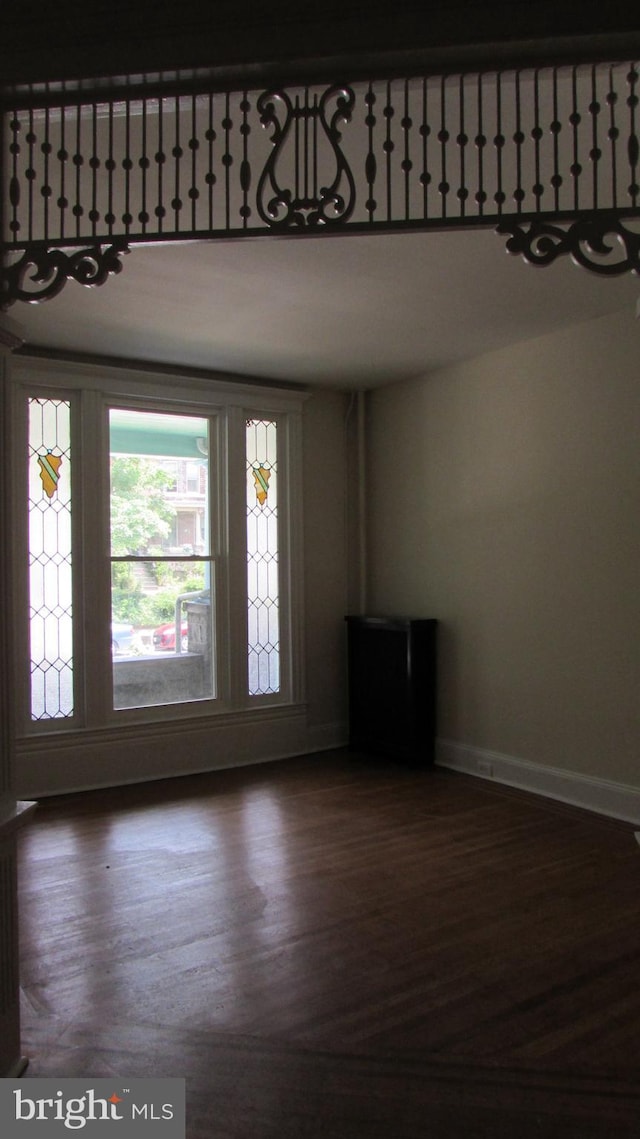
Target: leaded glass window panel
pixel 50 559
pixel 263 589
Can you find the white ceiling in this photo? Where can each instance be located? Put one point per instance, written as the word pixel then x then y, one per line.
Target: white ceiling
pixel 356 311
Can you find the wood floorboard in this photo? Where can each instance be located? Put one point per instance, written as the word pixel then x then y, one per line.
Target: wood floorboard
pixel 335 946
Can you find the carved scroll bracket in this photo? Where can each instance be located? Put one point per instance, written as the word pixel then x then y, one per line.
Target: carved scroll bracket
pixel 601 243
pixel 42 273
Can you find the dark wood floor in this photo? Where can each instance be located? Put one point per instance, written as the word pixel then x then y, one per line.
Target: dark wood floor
pixel 335 947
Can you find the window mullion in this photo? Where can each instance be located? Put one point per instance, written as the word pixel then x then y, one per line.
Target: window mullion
pixel 291 560
pixel 18 477
pixel 218 547
pixel 93 478
pixel 237 556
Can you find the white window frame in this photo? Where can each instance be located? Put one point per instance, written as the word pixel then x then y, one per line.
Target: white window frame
pixel 97 388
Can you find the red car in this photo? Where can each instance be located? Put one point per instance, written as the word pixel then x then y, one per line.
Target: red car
pixel 164 637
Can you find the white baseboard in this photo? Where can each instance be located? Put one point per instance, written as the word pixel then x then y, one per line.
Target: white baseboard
pixel 616 800
pixel 140 753
pixel 326 737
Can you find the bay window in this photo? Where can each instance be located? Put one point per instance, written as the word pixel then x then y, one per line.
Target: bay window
pixel 155 540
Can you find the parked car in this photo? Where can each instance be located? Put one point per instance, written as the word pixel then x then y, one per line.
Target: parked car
pixel 123 638
pixel 164 637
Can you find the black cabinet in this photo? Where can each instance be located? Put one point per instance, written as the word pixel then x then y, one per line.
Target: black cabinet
pixel 392 687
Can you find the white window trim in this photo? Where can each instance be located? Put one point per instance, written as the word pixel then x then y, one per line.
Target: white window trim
pixel 233 402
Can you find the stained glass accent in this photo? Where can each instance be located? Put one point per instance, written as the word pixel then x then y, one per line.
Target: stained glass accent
pixel 49 472
pixel 263 594
pixel 50 559
pixel 261 478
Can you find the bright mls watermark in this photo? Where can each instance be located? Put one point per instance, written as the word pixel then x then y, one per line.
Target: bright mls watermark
pixel 127 1108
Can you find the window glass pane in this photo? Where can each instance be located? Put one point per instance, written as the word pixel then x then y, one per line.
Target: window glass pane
pixel 161 625
pixel 159 483
pixel 262 558
pixel 50 568
pixel 161 632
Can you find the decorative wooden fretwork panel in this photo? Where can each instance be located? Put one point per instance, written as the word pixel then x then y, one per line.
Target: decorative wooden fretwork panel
pixel 516 149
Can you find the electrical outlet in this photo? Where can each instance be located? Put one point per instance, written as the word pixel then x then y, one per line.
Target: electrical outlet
pixel 485 768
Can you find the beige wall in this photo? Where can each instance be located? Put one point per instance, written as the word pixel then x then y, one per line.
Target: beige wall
pixel 326 518
pixel 504 499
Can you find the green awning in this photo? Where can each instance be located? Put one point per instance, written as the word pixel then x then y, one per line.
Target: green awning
pixel 154 433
